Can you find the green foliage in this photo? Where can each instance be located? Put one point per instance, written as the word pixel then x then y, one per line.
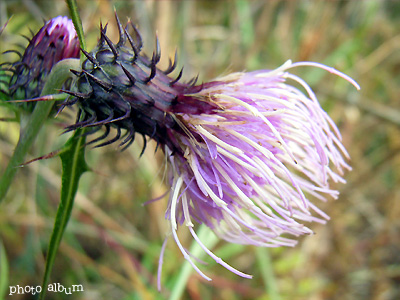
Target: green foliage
pixel 31 124
pixel 73 166
pixel 4 270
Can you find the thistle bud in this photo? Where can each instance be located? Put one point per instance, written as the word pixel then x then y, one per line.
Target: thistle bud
pixel 122 88
pixel 55 41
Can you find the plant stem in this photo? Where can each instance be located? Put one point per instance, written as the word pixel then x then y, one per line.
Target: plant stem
pixel 29 131
pixel 76 19
pixel 73 166
pixel 209 239
pixel 267 272
pixel 4 271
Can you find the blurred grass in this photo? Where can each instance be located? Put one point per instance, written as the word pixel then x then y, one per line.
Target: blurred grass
pixel 112 243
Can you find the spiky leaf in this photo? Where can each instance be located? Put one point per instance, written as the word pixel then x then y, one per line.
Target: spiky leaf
pixel 73 166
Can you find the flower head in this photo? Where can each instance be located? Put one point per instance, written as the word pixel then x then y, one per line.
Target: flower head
pixel 55 41
pixel 256 165
pixel 247 153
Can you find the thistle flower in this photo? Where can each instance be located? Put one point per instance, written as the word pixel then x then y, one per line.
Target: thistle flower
pixel 55 41
pixel 246 152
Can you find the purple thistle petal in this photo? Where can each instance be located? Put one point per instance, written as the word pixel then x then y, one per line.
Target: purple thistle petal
pixel 260 158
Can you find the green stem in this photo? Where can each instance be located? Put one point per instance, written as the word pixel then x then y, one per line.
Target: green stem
pixel 209 239
pixel 73 166
pixel 29 131
pixel 4 270
pixel 267 272
pixel 76 19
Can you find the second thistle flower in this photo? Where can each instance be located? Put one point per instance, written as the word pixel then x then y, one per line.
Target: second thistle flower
pixel 55 41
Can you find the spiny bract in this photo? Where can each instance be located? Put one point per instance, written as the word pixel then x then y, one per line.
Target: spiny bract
pixel 122 88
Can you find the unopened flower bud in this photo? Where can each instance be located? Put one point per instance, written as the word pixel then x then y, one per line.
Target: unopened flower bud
pixel 55 41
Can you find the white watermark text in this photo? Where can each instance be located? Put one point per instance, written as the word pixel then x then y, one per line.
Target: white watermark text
pixel 52 287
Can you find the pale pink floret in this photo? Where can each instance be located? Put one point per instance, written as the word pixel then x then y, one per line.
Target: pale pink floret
pixel 60 31
pixel 258 163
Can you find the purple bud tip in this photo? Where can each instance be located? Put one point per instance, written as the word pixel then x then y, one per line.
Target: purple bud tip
pixel 55 41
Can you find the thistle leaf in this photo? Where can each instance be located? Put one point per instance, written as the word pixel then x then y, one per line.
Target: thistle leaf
pixel 73 166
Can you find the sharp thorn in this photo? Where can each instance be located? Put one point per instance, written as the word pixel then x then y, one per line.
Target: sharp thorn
pixel 5 64
pixel 102 137
pixel 158 144
pixel 103 31
pixel 128 144
pixel 90 57
pixel 81 124
pixel 122 36
pixel 103 122
pixel 129 139
pixel 101 41
pixel 172 66
pixel 138 37
pixel 76 94
pixel 75 72
pixel 89 132
pixel 144 145
pixel 28 39
pixel 153 69
pixel 103 84
pixel 158 50
pixel 47 156
pixel 193 81
pixel 69 102
pixel 154 131
pixel 132 43
pixel 177 78
pixel 13 51
pixel 110 44
pixel 88 121
pixel 21 63
pixel 128 74
pixel 112 140
pixel 78 115
pixel 62 106
pixel 125 116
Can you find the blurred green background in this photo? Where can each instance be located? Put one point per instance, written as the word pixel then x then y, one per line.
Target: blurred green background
pixel 112 242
